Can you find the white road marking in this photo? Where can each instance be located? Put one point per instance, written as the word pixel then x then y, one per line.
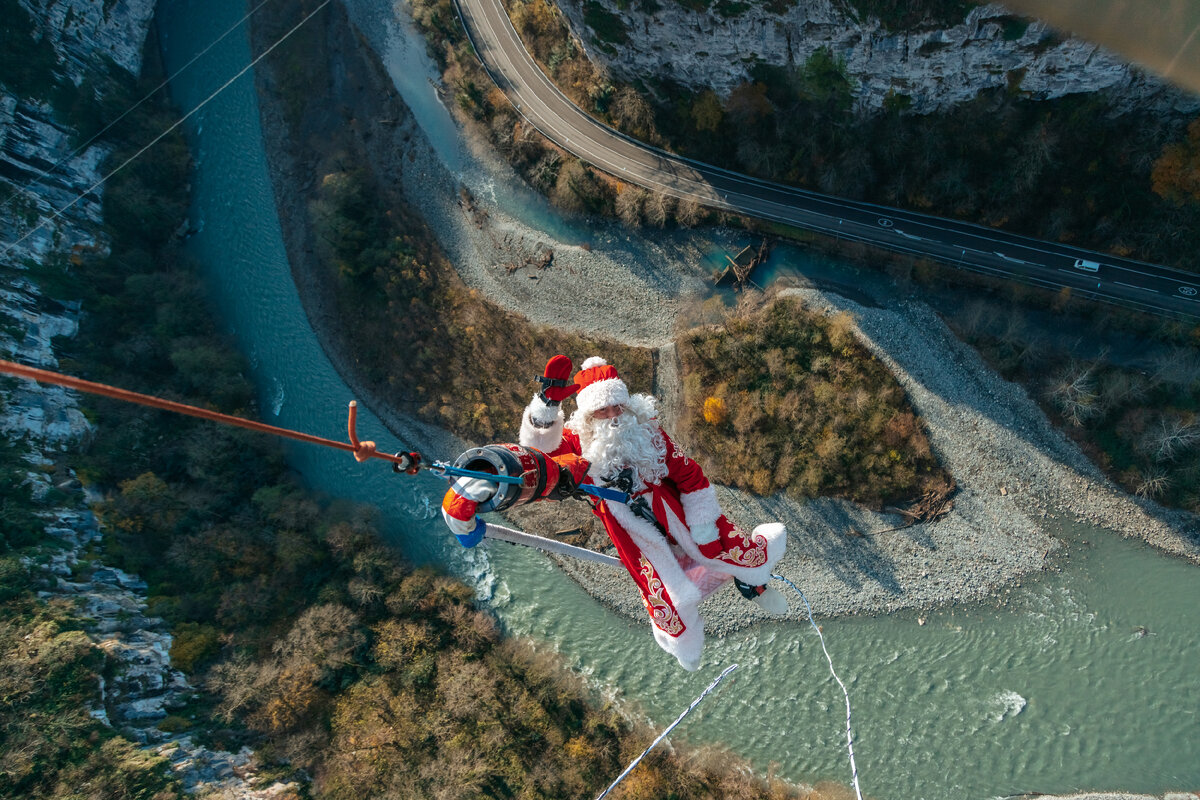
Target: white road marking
pixel 1143 288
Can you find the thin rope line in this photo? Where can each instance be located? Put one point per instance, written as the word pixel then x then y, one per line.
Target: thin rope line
pixel 103 389
pixel 163 135
pixel 670 727
pixel 849 733
pixel 38 178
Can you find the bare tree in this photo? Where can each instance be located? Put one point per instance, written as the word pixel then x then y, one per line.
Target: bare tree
pixel 1120 387
pixel 972 318
pixel 240 683
pixel 1152 484
pixel 688 212
pixel 658 209
pixel 328 636
pixel 363 592
pixel 1014 332
pixel 545 174
pixel 632 113
pixel 1170 437
pixel 1179 368
pixel 1073 391
pixel 630 202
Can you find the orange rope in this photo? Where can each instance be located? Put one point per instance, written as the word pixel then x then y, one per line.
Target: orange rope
pixel 361 450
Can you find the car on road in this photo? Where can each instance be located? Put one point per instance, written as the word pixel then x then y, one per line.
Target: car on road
pixel 1087 266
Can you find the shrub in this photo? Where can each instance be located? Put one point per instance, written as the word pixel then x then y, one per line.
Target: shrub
pixel 607 26
pixel 715 412
pixel 193 645
pixel 801 406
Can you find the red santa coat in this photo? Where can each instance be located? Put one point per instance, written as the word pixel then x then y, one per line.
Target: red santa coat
pixel 673 573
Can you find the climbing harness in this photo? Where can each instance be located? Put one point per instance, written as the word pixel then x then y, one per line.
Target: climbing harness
pixel 670 728
pixel 43 223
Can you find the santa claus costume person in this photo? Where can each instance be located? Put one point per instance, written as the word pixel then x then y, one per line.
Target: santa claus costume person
pixel 671 536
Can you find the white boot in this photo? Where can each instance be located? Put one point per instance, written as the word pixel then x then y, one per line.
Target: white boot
pixel 772 601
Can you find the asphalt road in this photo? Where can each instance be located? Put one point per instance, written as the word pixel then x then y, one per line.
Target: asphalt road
pixel 977 248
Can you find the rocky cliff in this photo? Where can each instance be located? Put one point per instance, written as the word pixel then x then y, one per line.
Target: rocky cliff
pixel 41 221
pixel 934 69
pixel 41 174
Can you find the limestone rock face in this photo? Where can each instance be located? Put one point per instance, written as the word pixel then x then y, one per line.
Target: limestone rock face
pixel 936 69
pixel 48 414
pixel 36 149
pixel 82 30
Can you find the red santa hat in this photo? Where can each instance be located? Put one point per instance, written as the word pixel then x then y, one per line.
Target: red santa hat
pixel 599 386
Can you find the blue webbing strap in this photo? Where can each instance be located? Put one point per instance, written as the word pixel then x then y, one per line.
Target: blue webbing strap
pixel 602 492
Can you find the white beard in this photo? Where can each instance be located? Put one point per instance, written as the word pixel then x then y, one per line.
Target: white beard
pixel 635 441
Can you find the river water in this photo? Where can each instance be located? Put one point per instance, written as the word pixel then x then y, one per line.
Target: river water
pixel 1085 680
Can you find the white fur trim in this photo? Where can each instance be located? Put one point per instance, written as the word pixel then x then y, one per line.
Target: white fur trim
pixel 544 439
pixel 774 532
pixel 701 506
pixel 542 412
pixel 684 594
pixel 601 394
pixel 704 532
pixel 772 602
pixel 459 527
pixel 688 646
pixel 594 361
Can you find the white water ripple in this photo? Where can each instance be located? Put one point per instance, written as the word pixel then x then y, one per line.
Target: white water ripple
pixel 1007 705
pixel 277 396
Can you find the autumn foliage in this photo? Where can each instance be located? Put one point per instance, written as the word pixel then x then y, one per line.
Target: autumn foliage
pixel 1176 174
pixel 785 399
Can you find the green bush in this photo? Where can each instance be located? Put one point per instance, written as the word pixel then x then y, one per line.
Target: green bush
pixel 20 526
pixel 607 26
pixel 194 644
pixel 28 63
pixel 50 747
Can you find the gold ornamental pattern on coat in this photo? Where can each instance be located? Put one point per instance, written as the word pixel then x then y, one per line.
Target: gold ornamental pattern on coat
pixel 665 618
pixel 752 553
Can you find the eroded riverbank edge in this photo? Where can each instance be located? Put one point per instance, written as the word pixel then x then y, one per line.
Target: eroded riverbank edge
pixel 1016 472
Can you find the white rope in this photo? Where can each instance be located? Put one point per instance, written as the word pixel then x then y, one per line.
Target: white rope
pixel 670 727
pixel 511 536
pixel 849 733
pixel 162 135
pixel 38 178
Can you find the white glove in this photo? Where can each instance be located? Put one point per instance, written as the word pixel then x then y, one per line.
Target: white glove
pixel 705 533
pixel 460 527
pixel 472 491
pixel 476 489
